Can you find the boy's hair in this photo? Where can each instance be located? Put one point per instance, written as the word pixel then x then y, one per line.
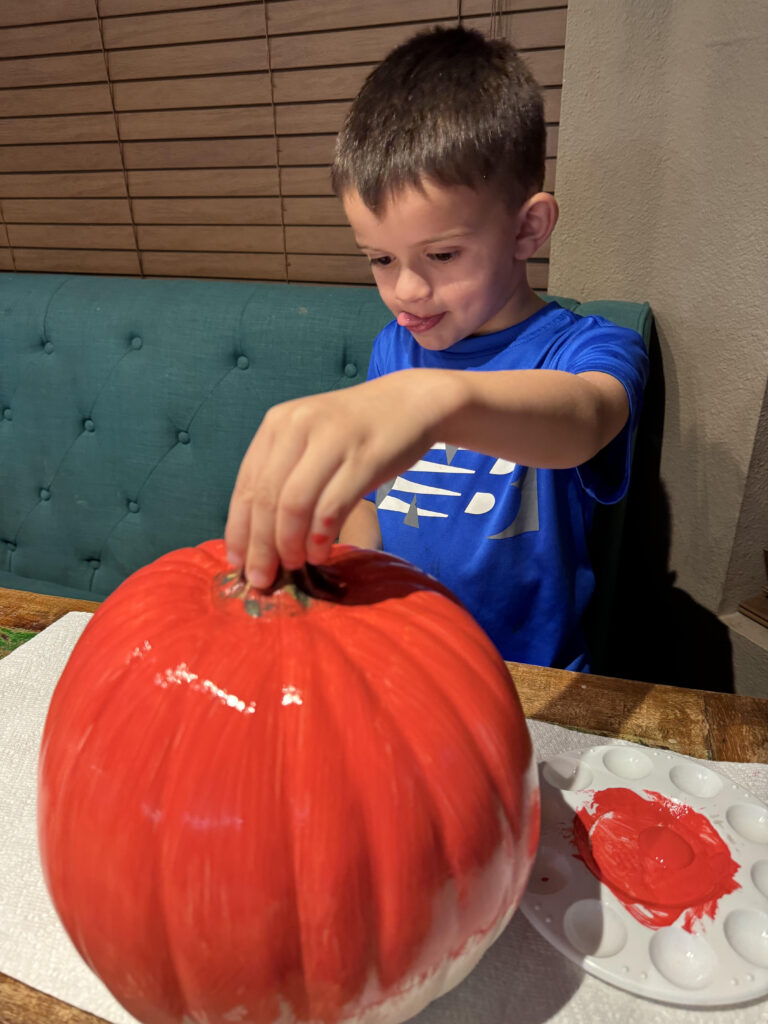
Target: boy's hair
pixel 448 104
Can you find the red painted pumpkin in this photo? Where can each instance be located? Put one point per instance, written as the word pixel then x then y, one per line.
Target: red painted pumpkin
pixel 288 807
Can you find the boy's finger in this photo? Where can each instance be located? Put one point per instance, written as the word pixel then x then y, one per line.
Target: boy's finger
pixel 342 491
pixel 273 458
pixel 296 510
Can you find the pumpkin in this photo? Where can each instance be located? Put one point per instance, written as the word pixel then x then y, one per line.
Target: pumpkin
pixel 315 804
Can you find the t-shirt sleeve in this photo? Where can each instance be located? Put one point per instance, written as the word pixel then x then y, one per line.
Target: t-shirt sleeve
pixel 602 346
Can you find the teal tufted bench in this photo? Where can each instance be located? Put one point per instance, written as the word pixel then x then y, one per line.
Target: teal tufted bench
pixel 126 405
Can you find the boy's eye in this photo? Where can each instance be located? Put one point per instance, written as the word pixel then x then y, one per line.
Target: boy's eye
pixel 380 261
pixel 442 257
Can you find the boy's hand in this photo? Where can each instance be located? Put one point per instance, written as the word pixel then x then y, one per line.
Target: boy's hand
pixel 311 460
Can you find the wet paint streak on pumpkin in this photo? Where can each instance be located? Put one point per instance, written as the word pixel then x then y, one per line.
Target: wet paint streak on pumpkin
pixel 284 807
pixel 660 857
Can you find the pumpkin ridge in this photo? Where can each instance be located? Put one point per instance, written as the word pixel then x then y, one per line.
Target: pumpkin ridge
pixel 504 704
pixel 374 709
pixel 243 793
pixel 356 939
pixel 93 949
pixel 439 807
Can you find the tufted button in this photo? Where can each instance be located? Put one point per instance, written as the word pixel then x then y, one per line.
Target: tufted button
pixel 133 506
pixel 183 437
pixel 243 363
pixel 88 425
pixel 350 370
pixel 7 414
pixel 44 494
pixel 136 342
pixel 10 545
pixel 48 347
pixel 95 563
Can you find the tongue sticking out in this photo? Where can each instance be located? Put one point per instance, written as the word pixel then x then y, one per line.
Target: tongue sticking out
pixel 418 323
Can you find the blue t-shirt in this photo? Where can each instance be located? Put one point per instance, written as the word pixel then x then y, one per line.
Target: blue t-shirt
pixel 512 541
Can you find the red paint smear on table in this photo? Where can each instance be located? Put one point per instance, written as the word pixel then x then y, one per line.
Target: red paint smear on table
pixel 658 856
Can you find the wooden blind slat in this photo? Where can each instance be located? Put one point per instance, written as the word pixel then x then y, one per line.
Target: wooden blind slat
pixel 528 30
pixel 550 170
pixel 81 156
pixel 310 210
pixel 56 185
pixel 69 128
pixel 476 7
pixel 319 49
pixel 295 16
pixel 538 275
pixel 546 66
pixel 72 236
pixel 306 181
pixel 111 8
pixel 6 260
pixel 199 153
pixel 191 124
pixel 320 240
pixel 65 99
pixel 63 37
pixel 299 150
pixel 245 181
pixel 207 211
pixel 183 61
pixel 331 268
pixel 22 12
pixel 212 239
pixel 78 68
pixel 67 211
pixel 76 261
pixel 166 93
pixel 204 25
pixel 251 266
pixel 331 83
pixel 311 118
pixel 552 99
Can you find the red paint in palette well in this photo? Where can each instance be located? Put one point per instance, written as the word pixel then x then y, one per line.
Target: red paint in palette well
pixel 659 857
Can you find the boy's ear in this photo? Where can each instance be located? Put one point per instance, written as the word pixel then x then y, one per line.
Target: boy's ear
pixel 536 221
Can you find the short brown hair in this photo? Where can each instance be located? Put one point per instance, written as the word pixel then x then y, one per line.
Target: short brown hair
pixel 450 105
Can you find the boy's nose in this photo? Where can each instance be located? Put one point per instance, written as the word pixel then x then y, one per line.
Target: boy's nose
pixel 411 286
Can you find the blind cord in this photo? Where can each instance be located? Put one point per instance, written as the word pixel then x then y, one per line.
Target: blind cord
pixel 275 135
pixel 119 140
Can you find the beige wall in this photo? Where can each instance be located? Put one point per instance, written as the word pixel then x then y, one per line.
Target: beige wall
pixel 662 180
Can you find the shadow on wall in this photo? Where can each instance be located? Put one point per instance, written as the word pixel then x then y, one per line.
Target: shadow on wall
pixel 658 633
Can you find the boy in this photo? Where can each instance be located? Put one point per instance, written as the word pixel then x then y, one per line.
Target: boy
pixel 491 421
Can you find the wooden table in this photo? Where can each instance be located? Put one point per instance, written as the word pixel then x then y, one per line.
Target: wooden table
pixel 716 726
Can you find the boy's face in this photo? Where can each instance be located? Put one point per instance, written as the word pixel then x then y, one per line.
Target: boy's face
pixel 443 261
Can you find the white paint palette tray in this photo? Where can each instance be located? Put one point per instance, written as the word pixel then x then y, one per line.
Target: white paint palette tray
pixel 652 874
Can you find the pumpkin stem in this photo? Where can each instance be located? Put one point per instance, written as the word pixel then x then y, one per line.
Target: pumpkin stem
pixel 308 584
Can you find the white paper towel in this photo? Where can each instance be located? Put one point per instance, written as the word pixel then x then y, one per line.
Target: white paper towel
pixel 521 980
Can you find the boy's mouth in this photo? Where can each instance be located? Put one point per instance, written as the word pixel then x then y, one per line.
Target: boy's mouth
pixel 419 324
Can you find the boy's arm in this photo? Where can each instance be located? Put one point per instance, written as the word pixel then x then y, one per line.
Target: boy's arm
pixel 313 458
pixel 361 526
